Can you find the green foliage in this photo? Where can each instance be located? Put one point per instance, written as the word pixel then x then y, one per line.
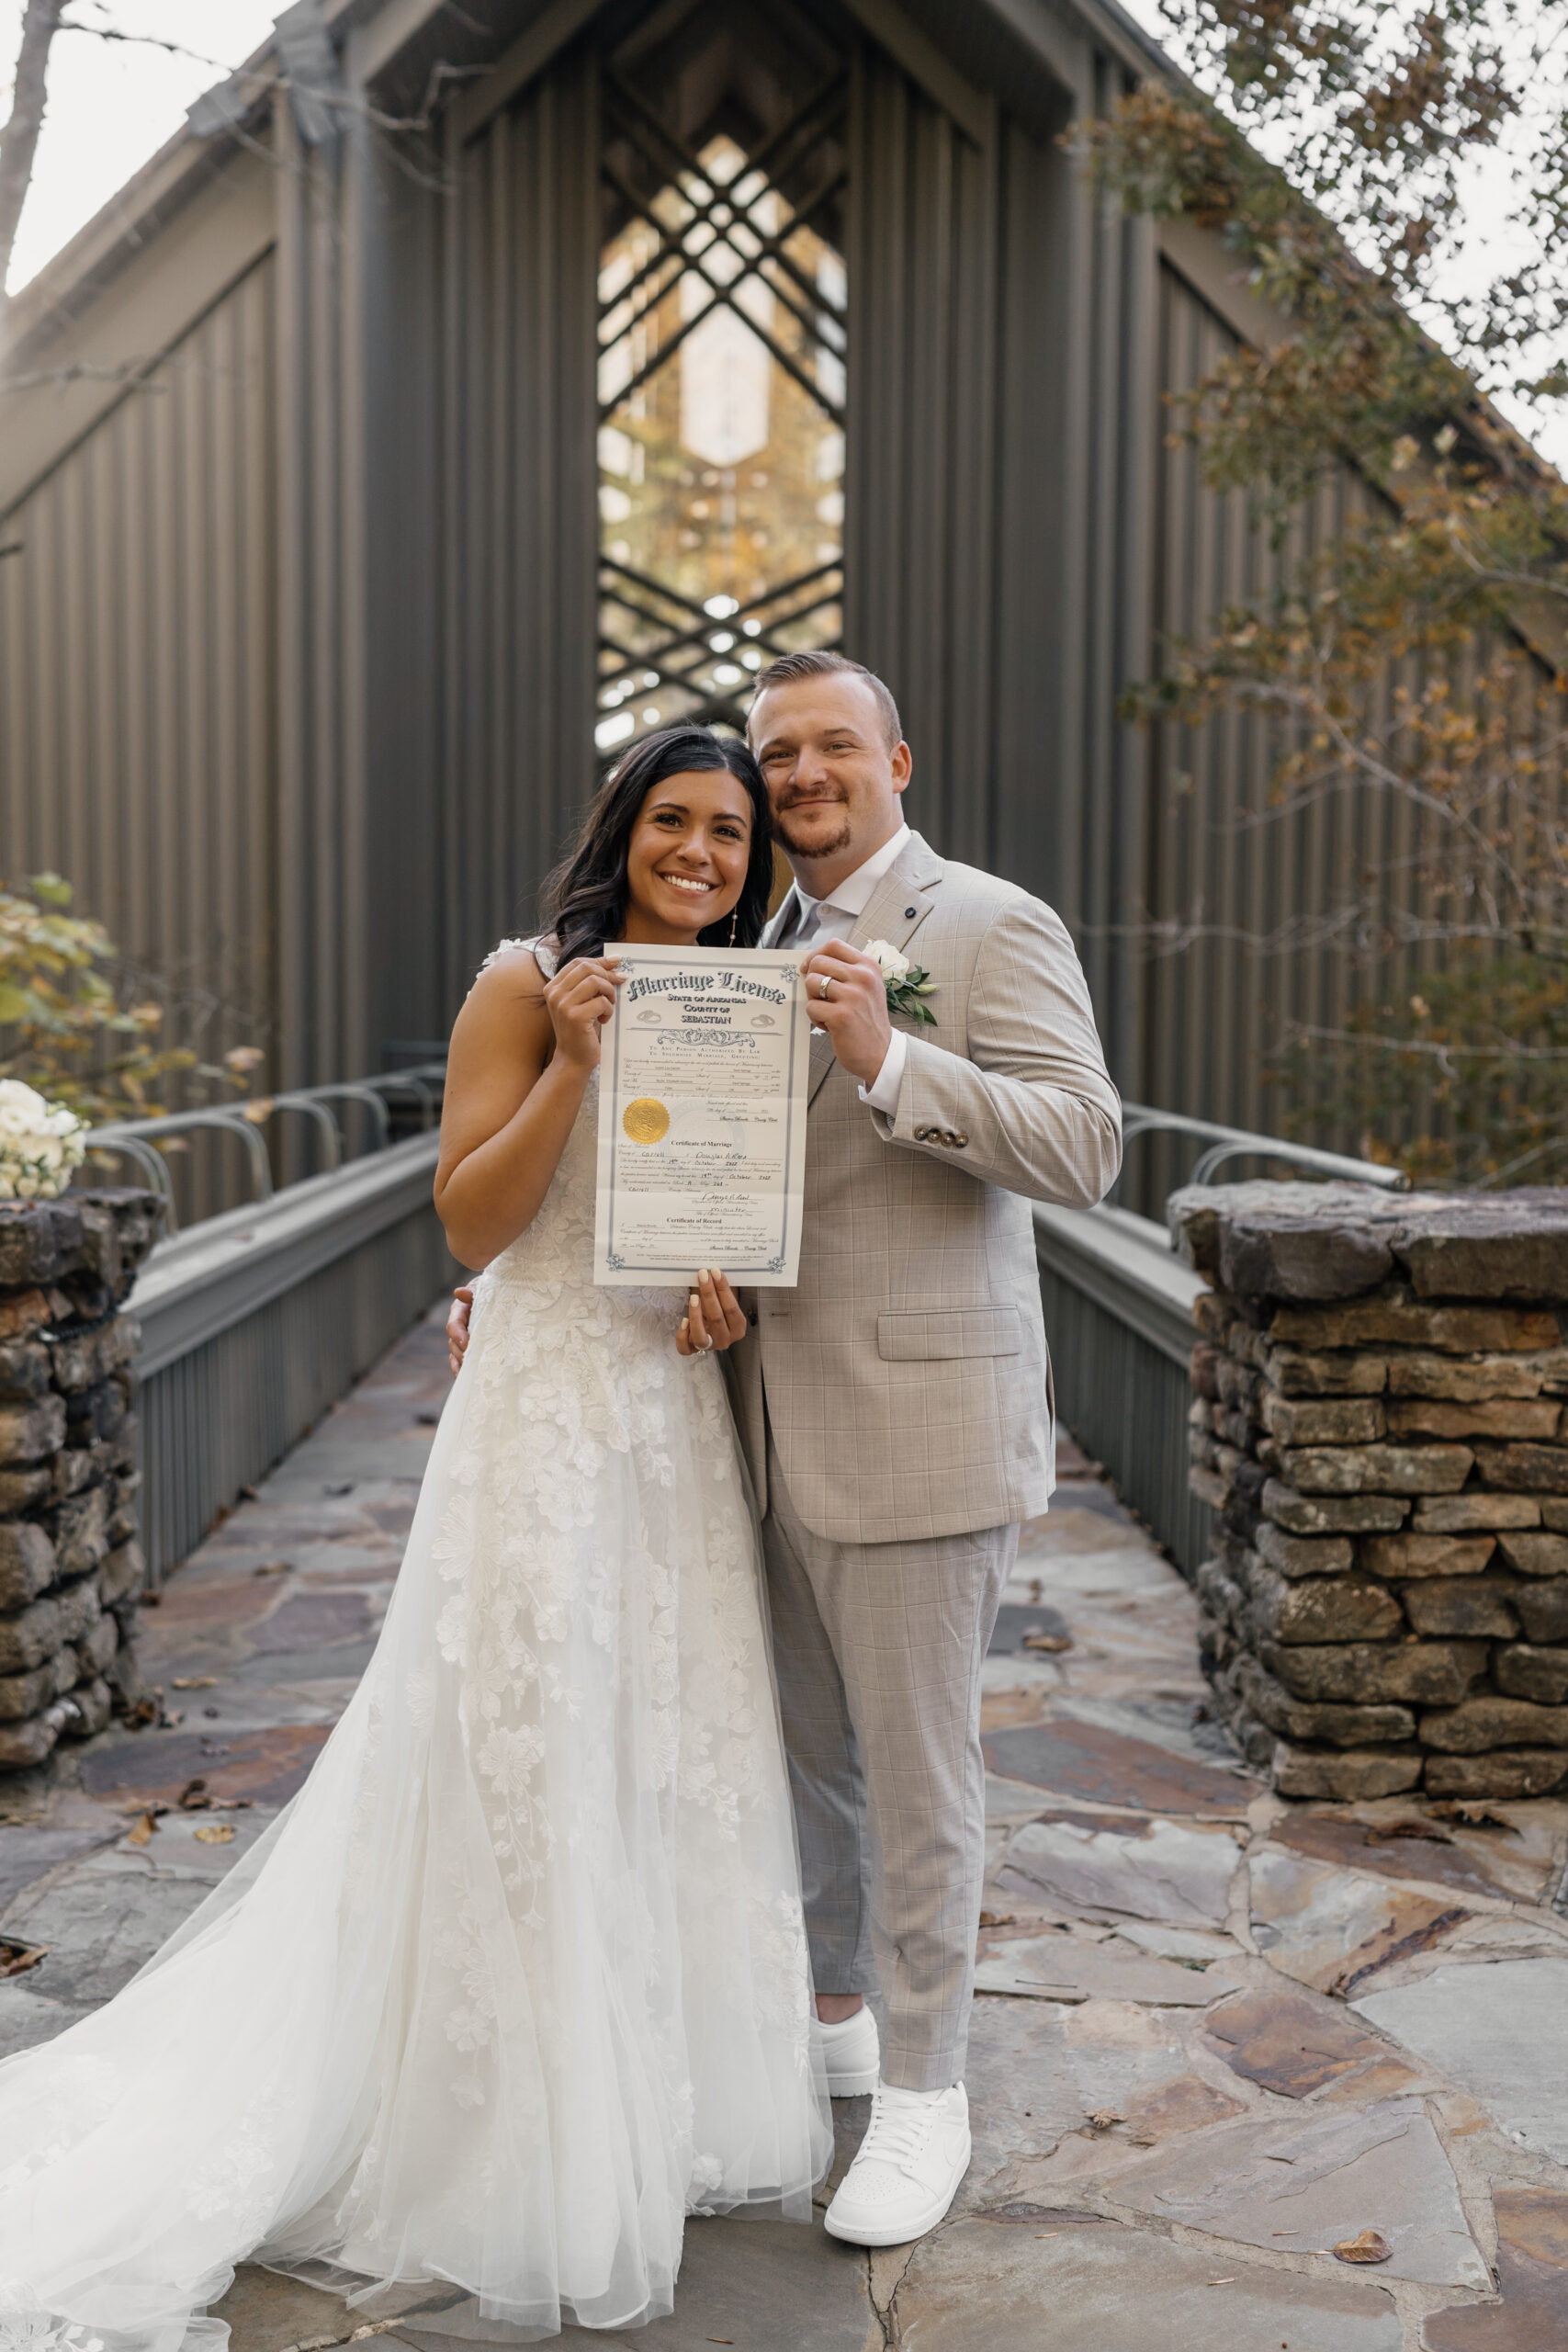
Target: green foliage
pixel 64 1028
pixel 1419 660
pixel 1484 1043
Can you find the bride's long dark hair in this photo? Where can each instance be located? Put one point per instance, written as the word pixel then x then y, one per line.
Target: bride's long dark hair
pixel 585 899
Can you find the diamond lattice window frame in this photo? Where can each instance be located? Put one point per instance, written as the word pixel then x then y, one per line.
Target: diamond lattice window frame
pixel 709 569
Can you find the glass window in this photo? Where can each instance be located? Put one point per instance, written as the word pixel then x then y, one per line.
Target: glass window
pixel 721 401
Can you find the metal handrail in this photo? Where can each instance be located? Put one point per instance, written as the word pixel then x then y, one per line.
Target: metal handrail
pixel 413 1083
pixel 363 1092
pixel 232 1122
pixel 135 1137
pixel 1238 1143
pixel 317 1113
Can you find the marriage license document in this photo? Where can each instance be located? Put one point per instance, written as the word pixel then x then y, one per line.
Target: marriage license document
pixel 702 1117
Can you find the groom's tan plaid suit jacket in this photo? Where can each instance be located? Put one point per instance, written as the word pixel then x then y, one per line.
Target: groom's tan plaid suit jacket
pixel 907 1377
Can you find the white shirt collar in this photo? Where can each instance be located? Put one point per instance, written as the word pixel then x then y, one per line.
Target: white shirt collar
pixel 854 894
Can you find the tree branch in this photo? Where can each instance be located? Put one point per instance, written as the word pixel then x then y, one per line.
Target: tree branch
pixel 18 140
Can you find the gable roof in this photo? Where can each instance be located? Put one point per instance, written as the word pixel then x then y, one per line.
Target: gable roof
pixel 399 42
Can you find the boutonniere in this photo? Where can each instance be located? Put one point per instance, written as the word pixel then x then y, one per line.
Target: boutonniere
pixel 906 983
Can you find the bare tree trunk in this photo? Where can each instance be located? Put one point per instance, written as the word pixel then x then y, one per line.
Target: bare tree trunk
pixel 18 140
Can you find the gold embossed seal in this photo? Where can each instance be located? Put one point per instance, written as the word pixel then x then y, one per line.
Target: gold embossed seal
pixel 645 1120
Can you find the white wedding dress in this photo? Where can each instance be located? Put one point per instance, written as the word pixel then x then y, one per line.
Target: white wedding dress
pixel 519 1979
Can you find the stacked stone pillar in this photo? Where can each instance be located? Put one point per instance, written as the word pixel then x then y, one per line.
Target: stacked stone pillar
pixel 1379 1423
pixel 71 1568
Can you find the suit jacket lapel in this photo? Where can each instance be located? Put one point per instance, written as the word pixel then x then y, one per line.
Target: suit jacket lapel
pixel 894 911
pixel 783 913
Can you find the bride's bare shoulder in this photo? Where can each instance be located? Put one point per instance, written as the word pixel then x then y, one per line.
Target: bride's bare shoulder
pixel 506 1008
pixel 516 972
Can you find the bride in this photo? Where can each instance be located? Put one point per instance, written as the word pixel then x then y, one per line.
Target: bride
pixel 519 1979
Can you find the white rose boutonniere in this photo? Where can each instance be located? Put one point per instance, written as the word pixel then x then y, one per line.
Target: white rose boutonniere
pixel 40 1143
pixel 907 984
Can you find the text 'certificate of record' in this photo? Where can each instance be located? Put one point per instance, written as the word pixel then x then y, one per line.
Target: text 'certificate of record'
pixel 702 1117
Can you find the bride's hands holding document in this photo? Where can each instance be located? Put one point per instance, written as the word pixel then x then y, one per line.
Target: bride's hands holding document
pixel 714 1317
pixel 580 999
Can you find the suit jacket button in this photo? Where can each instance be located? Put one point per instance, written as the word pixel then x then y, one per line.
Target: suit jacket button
pixel 909 913
pixel 961 1139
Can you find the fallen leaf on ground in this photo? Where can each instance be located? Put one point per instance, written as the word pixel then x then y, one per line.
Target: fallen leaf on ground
pixel 1472 1814
pixel 216 1833
pixel 1037 1641
pixel 142 1830
pixel 232 1804
pixel 1368 2247
pixel 16 1959
pixel 273 1569
pixel 193 1798
pixel 195 1682
pixel 1379 1833
pixel 1103 2118
pixel 145 1711
pixel 1225 2282
pixel 997 1919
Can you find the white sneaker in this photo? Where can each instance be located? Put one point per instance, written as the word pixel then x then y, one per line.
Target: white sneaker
pixel 907 2170
pixel 851 2054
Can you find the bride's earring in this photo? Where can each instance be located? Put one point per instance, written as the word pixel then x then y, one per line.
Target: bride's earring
pixel 734 920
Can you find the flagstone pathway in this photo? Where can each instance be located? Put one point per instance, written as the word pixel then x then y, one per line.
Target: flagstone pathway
pixel 1218 2035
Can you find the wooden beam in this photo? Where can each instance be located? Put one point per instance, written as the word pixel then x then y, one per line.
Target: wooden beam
pixel 522 64
pixel 925 64
pixel 1052 27
pixel 377 41
pixel 1198 255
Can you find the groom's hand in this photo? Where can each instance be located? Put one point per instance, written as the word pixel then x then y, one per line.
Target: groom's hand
pixel 854 1011
pixel 458 1328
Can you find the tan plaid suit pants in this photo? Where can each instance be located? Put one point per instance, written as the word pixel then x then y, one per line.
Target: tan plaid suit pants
pixel 877 1649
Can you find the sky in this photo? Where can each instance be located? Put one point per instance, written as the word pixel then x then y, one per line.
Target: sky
pixel 113 103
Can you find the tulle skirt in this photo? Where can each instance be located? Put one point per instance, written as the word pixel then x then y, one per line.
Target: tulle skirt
pixel 519 1978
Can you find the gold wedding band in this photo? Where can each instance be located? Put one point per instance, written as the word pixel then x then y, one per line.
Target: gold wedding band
pixel 826 982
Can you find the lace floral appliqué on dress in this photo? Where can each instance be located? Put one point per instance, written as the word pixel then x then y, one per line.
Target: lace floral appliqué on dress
pixel 519 1978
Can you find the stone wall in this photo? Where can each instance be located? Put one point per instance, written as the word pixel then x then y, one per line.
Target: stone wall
pixel 1378 1425
pixel 71 1566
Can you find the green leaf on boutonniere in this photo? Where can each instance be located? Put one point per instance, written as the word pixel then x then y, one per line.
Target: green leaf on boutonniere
pixel 906 983
pixel 905 995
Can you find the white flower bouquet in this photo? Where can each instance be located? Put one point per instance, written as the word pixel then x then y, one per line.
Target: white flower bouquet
pixel 40 1143
pixel 906 983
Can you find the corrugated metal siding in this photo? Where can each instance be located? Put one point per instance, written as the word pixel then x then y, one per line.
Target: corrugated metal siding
pixel 520 269
pixel 1256 890
pixel 922 267
pixel 1002 421
pixel 296 669
pixel 138 678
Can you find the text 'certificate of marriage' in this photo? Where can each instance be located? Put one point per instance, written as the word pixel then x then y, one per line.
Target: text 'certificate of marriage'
pixel 702 1117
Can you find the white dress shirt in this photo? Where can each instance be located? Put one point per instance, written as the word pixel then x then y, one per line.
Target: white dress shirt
pixel 802 921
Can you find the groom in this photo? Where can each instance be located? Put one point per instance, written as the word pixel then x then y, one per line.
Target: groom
pixel 895 1406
